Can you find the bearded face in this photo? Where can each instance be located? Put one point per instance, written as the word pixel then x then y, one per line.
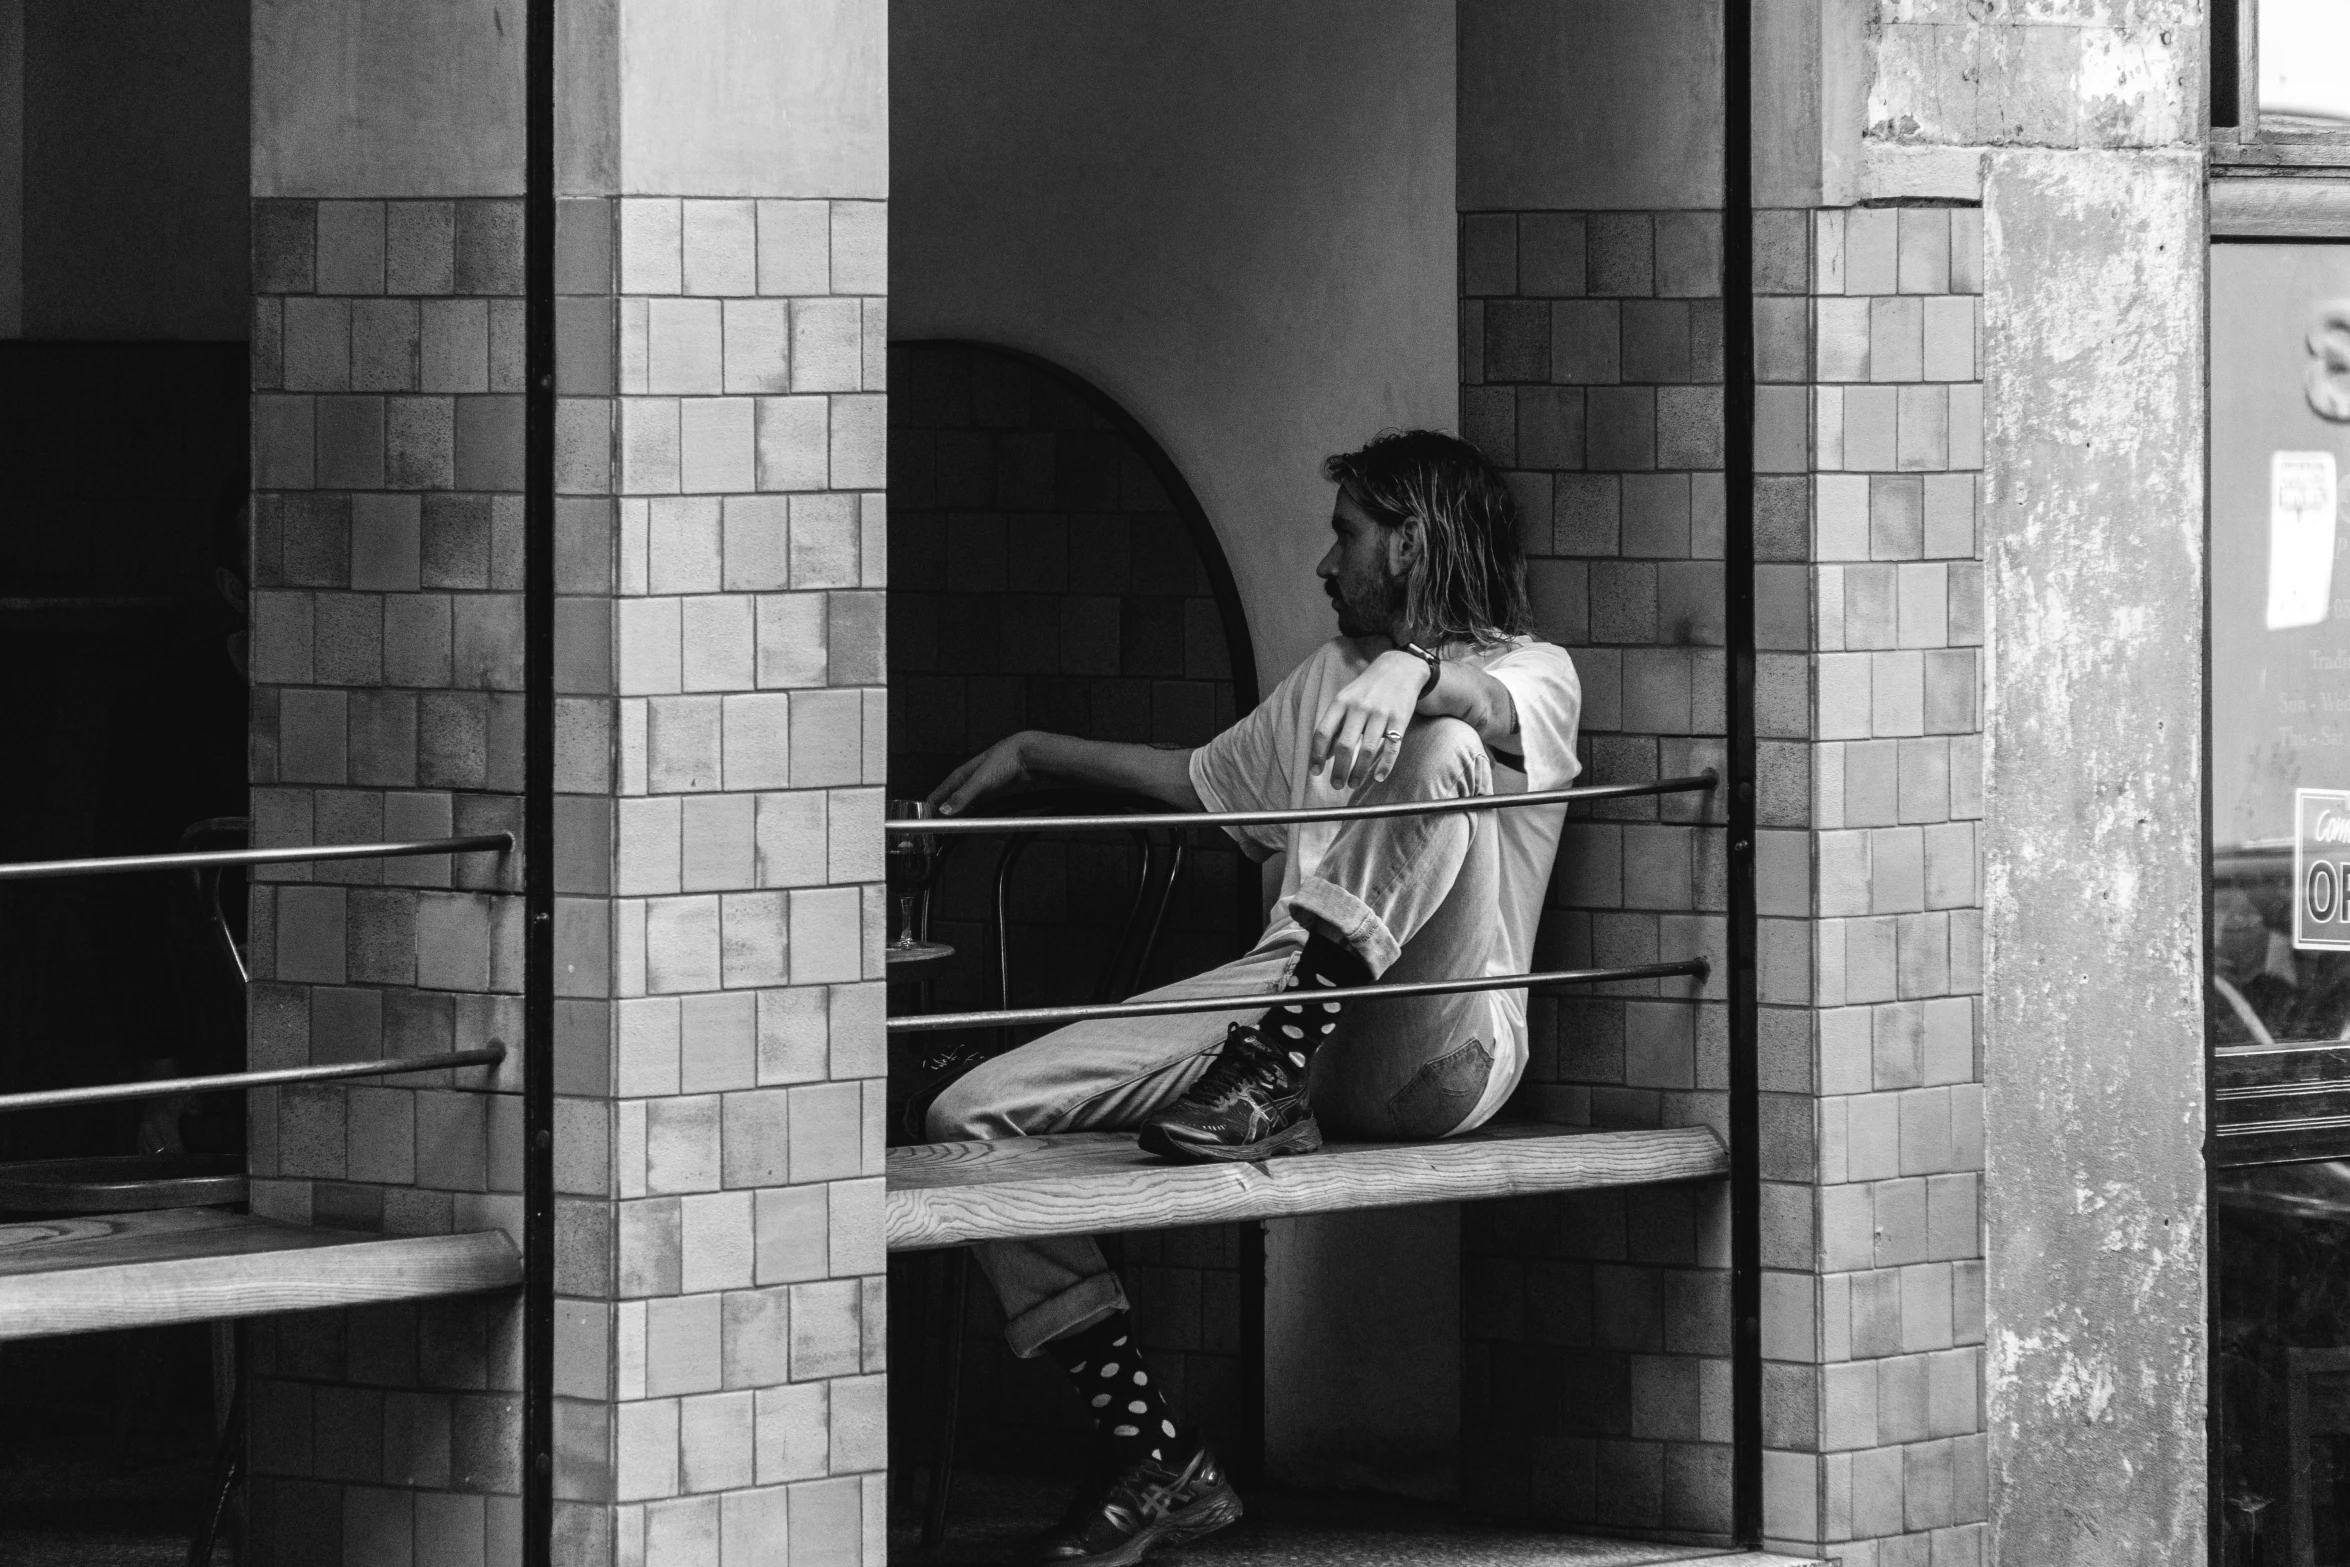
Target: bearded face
pixel 1359 572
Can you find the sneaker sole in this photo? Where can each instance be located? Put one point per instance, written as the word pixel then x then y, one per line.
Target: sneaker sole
pixel 1196 1522
pixel 1304 1137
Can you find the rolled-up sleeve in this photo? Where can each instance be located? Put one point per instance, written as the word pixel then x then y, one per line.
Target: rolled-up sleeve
pixel 1244 769
pixel 1542 683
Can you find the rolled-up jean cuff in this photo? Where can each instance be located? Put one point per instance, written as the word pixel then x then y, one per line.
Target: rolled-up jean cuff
pixel 1081 1305
pixel 1351 920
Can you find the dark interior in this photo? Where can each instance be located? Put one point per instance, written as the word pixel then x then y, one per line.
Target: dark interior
pixel 123 419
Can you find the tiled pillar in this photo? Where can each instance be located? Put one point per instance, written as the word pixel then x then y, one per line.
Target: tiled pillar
pixel 720 749
pixel 1599 1325
pixel 387 674
pixel 722 745
pixel 1869 622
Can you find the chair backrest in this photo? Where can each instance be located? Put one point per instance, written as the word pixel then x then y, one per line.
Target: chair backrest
pixel 1122 972
pixel 218 832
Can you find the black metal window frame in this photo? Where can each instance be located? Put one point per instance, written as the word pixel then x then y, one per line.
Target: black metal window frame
pixel 2241 132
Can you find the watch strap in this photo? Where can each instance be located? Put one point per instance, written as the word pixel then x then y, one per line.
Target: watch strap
pixel 1435 666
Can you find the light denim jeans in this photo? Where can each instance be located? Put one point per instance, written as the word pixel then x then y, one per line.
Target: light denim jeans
pixel 1414 896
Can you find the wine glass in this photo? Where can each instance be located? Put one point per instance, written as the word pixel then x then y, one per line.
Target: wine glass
pixel 914 862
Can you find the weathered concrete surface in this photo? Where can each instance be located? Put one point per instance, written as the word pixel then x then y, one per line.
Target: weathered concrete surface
pixel 2063 73
pixel 2093 354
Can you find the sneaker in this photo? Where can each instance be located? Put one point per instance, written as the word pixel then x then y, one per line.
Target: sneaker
pixel 1249 1104
pixel 1144 1507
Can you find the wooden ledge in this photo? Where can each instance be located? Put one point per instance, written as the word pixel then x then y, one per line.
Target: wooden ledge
pixel 130 1270
pixel 1085 1183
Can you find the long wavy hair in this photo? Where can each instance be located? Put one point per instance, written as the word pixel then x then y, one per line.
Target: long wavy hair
pixel 1469 580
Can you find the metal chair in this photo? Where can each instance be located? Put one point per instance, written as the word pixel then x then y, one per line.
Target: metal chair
pixel 1121 975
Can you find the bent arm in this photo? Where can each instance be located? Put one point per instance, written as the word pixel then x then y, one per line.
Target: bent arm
pixel 1032 755
pixel 1469 694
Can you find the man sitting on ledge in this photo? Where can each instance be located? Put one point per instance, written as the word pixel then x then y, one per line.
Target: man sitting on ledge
pixel 1433 689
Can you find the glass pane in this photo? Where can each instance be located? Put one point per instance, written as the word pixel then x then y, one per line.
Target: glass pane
pixel 2279 1007
pixel 2303 47
pixel 2280 645
pixel 2281 1364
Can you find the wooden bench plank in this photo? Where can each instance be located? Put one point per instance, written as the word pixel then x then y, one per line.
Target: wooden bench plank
pixel 1084 1183
pixel 85 1275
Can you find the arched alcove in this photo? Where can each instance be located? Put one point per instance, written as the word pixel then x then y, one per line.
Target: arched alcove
pixel 1051 568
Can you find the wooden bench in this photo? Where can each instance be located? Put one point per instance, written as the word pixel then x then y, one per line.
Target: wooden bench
pixel 84 1275
pixel 1084 1183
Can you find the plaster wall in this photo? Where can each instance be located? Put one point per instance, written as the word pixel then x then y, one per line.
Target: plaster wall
pixel 386 98
pixel 1337 1305
pixel 393 98
pixel 2093 534
pixel 1595 105
pixel 1165 223
pixel 747 97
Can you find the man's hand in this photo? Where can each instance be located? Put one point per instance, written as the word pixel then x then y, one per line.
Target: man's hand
pixel 1351 735
pixel 997 767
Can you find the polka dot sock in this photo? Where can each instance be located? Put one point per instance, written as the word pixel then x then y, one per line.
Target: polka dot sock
pixel 1299 1028
pixel 1129 1410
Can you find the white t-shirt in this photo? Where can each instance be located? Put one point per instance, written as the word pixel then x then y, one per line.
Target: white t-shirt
pixel 1262 764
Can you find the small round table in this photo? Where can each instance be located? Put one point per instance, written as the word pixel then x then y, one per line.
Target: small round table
pixel 911 960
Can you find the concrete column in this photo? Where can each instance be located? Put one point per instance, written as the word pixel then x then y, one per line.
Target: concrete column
pixel 2094 1027
pixel 722 262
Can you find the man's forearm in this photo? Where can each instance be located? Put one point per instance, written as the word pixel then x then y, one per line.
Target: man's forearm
pixel 1109 764
pixel 1469 694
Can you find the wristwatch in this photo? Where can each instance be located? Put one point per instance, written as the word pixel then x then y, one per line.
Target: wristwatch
pixel 1435 667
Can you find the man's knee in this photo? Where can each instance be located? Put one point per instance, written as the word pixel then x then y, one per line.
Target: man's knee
pixel 958 1114
pixel 1442 757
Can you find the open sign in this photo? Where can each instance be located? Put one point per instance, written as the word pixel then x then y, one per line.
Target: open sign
pixel 2321 869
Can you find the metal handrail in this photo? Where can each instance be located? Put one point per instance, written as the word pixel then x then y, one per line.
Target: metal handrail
pixel 156 1088
pixel 115 865
pixel 2314 1123
pixel 2296 1090
pixel 1696 968
pixel 1693 784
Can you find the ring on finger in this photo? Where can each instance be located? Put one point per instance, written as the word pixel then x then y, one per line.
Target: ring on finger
pixel 1394 735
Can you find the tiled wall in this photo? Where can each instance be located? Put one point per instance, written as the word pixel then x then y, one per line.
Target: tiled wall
pixel 387 674
pixel 720 755
pixel 1599 1325
pixel 1869 604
